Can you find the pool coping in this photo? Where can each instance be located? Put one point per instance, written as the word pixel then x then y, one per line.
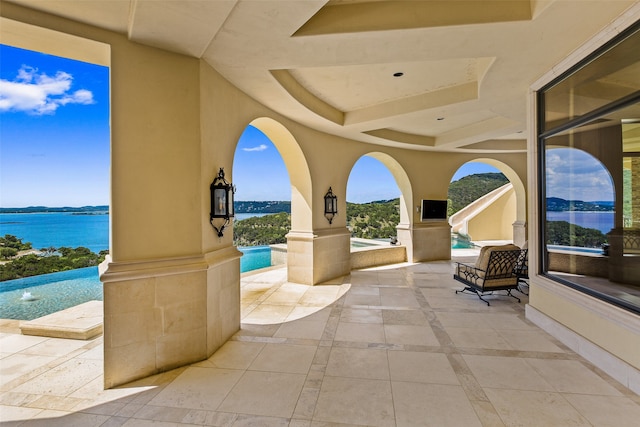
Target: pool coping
pixel 80 322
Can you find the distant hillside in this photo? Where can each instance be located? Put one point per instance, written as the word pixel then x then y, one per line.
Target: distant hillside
pixel 46 209
pixel 263 230
pixel 374 220
pixel 556 204
pixel 262 207
pixel 470 188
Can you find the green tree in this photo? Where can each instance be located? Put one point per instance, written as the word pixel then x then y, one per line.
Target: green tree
pixel 470 188
pixel 53 261
pixel 10 241
pixel 566 234
pixel 7 253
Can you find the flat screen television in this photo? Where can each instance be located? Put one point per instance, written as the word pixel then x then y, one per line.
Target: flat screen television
pixel 434 210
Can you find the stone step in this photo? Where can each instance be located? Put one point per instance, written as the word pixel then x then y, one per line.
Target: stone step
pixel 81 322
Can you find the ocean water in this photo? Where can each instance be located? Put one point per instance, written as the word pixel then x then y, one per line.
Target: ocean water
pixel 37 296
pixel 58 229
pixel 602 221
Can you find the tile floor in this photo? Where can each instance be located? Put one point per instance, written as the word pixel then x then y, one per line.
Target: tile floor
pixel 393 346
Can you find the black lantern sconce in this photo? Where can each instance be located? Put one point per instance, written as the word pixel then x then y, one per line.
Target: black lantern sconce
pixel 221 201
pixel 330 205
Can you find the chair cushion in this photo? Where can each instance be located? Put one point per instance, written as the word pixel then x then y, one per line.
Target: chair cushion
pixel 485 253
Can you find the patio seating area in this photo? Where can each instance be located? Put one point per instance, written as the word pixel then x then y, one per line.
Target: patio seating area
pixel 386 346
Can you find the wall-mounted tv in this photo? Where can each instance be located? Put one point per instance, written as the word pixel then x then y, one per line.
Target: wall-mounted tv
pixel 434 210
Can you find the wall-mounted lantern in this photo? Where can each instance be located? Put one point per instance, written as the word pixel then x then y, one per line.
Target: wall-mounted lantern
pixel 221 201
pixel 330 205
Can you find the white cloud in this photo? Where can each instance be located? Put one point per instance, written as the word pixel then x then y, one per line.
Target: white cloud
pixel 260 147
pixel 573 174
pixel 37 93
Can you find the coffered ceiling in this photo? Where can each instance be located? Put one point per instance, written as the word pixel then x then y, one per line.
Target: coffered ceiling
pixel 448 75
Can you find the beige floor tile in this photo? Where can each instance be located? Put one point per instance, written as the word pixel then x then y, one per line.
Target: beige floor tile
pixel 477 338
pixel 404 317
pixel 255 421
pixel 55 347
pixel 355 401
pixel 365 290
pixel 361 300
pixel 393 297
pixel 530 341
pixel 507 321
pixel 463 320
pixel 294 359
pixel 419 404
pixel 64 379
pixel 456 302
pixel 18 365
pixel 52 418
pixel 14 343
pixel 268 314
pixel 198 388
pixel 534 408
pixel 506 373
pixel 14 415
pixel 358 363
pixel 360 332
pixel 96 353
pixel 320 314
pixel 606 411
pixel 288 293
pixel 572 376
pixel 272 394
pixel 421 367
pixel 361 315
pixel 302 329
pixel 234 355
pixel 298 376
pixel 94 391
pixel 161 413
pixel 410 334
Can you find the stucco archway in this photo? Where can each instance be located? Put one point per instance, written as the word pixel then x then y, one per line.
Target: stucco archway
pixel 402 181
pixel 297 167
pixel 519 224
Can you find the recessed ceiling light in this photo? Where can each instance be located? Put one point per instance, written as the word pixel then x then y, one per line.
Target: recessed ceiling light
pixel 398 74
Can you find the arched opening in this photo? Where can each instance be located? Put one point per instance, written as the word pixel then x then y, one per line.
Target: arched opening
pixel 487 202
pixel 262 201
pixel 580 200
pixel 384 215
pixel 373 211
pixel 55 164
pixel 298 175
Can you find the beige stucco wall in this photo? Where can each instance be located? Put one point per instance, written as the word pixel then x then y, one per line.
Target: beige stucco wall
pixel 495 222
pixel 606 335
pixel 171 286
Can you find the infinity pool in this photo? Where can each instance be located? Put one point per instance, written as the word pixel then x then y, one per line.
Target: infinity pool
pixel 37 296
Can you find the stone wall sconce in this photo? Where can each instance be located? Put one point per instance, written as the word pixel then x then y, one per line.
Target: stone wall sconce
pixel 330 205
pixel 222 193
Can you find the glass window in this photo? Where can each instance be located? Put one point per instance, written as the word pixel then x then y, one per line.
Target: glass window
pixel 590 175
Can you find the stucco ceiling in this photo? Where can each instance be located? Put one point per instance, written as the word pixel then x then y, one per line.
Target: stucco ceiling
pixel 466 65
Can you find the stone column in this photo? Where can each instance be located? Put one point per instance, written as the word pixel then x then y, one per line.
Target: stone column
pixel 319 256
pixel 428 241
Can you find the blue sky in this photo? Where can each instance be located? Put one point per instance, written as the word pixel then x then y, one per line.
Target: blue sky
pixel 54 130
pixel 54 141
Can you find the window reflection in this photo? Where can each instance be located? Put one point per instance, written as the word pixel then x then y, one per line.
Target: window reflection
pixel 609 76
pixel 590 154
